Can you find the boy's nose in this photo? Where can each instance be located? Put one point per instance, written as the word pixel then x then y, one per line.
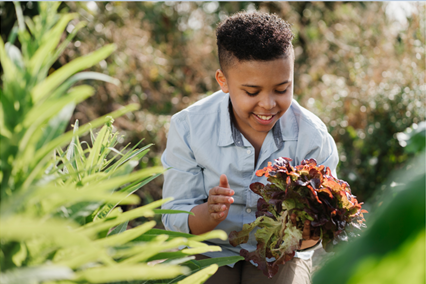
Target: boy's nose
pixel 267 102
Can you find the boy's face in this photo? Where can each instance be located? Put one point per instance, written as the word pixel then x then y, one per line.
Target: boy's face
pixel 260 91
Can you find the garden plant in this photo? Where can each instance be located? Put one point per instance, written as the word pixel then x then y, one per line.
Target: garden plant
pixel 392 248
pixel 293 196
pixel 60 216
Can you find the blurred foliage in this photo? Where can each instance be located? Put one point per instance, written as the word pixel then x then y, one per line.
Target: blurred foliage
pixel 392 249
pixel 357 67
pixel 413 138
pixel 60 216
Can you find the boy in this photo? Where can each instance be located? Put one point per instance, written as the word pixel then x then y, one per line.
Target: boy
pixel 216 145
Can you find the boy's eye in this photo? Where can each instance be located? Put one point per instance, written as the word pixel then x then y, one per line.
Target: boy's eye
pixel 252 94
pixel 282 92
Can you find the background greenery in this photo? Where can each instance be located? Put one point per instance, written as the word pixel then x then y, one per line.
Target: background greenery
pixel 392 249
pixel 357 67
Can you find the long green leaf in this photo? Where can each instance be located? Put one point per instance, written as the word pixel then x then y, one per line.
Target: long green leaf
pixel 36 274
pixel 82 255
pixel 45 50
pixel 64 44
pixel 130 272
pixel 221 261
pixel 30 25
pixel 114 183
pixel 200 250
pixel 178 260
pixel 83 76
pixel 35 120
pixel 128 156
pixel 45 88
pixel 126 236
pixel 107 208
pixel 19 16
pixel 50 108
pixel 22 228
pixel 144 251
pixel 151 250
pixel 70 152
pixel 196 265
pixel 95 152
pixel 155 232
pixel 215 234
pixel 146 211
pixel 170 211
pixel 7 63
pixel 12 36
pixel 200 276
pixel 52 197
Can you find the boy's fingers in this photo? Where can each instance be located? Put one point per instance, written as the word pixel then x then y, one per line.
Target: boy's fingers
pixel 218 215
pixel 217 190
pixel 217 208
pixel 220 199
pixel 223 181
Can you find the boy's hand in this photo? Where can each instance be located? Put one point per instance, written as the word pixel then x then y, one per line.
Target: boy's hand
pixel 308 238
pixel 219 200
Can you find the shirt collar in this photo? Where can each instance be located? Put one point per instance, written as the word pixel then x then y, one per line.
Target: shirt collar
pixel 225 130
pixel 229 134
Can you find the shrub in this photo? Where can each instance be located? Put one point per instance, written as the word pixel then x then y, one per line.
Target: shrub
pixel 392 249
pixel 60 220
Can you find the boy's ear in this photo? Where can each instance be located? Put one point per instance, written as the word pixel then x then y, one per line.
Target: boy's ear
pixel 221 80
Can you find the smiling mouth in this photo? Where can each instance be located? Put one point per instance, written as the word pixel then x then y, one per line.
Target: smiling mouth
pixel 264 117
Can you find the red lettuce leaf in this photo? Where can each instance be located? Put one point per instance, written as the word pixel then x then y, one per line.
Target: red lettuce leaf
pixel 312 193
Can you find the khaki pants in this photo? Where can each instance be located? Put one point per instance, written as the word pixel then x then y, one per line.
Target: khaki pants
pixel 295 271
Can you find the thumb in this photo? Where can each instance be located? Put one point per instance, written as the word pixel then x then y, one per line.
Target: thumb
pixel 223 182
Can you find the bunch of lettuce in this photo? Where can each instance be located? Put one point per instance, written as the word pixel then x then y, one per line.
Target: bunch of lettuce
pixel 311 193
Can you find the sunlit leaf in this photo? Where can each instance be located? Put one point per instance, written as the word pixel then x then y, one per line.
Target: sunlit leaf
pixel 130 272
pixel 45 88
pixel 126 236
pixel 200 276
pixel 34 275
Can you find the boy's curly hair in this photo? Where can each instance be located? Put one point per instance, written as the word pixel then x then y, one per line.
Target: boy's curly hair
pixel 253 36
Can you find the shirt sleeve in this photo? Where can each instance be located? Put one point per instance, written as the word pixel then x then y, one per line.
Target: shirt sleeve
pixel 184 181
pixel 323 149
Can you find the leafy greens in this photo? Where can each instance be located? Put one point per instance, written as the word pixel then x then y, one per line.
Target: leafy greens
pixel 311 193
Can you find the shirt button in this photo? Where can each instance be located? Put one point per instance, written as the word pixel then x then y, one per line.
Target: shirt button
pixel 248 151
pixel 248 210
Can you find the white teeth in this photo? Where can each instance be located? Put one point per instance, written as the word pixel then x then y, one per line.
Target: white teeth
pixel 264 117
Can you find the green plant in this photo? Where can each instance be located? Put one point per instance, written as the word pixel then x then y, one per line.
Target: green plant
pixel 60 220
pixel 392 249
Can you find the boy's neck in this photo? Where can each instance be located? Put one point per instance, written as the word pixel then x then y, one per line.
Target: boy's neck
pixel 256 139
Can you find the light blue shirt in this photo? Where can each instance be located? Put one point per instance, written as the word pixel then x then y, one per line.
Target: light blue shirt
pixel 202 144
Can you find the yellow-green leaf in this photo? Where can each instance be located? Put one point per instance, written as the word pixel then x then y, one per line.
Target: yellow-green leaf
pixel 200 276
pixel 130 272
pixel 44 88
